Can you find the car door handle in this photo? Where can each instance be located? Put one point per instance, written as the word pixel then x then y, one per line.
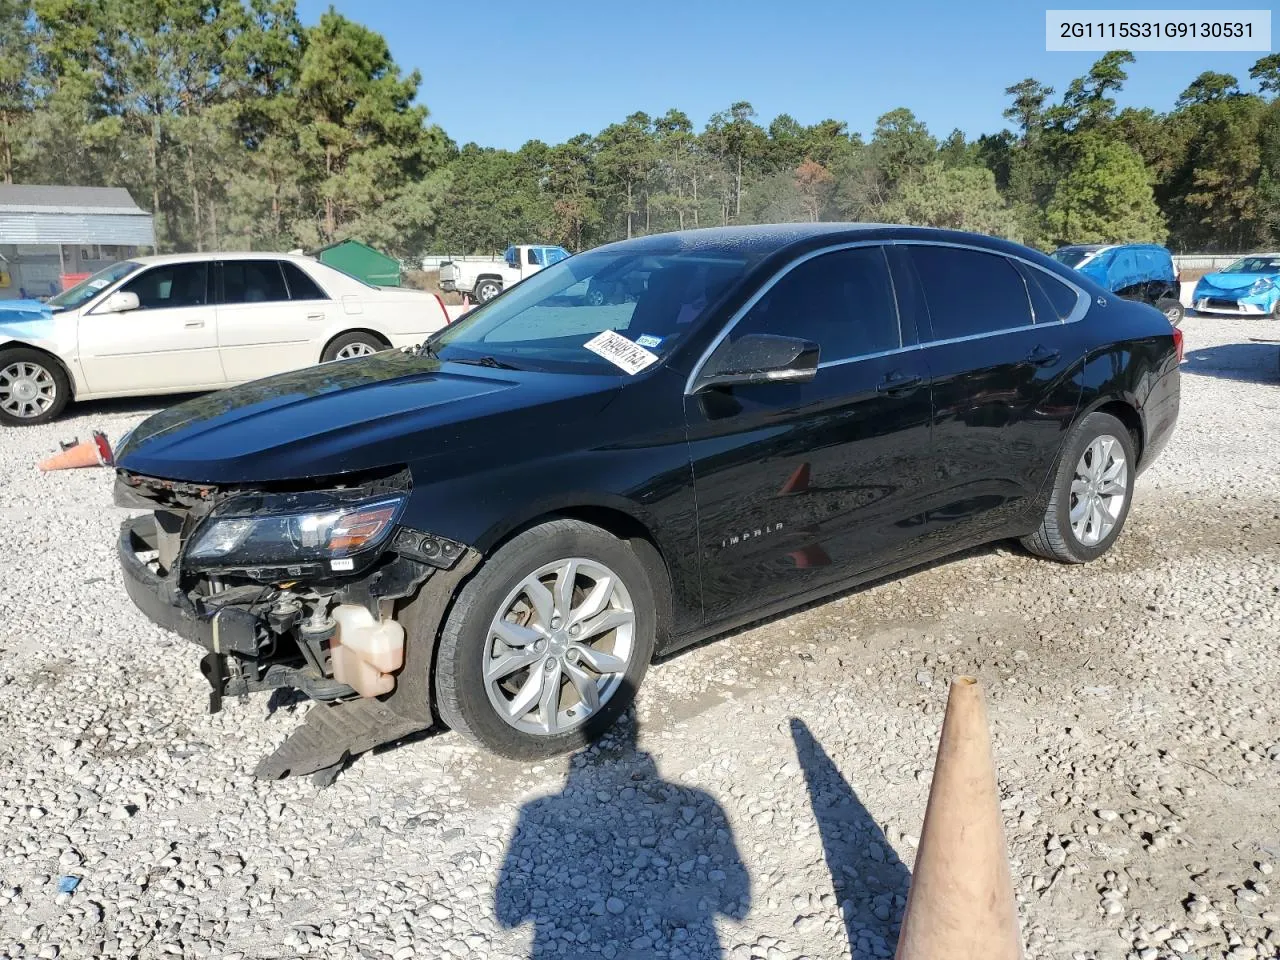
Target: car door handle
pixel 899 384
pixel 1043 356
pixel 315 316
pixel 194 323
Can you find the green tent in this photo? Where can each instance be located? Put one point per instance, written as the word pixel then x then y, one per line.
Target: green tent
pixel 361 261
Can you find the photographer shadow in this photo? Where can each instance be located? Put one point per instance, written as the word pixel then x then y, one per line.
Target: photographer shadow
pixel 622 861
pixel 870 881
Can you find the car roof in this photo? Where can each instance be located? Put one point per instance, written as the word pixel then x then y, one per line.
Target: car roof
pixel 154 259
pixel 762 241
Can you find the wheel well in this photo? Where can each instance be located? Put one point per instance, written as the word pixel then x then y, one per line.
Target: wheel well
pixel 1127 415
pixel 373 333
pixel 57 361
pixel 488 276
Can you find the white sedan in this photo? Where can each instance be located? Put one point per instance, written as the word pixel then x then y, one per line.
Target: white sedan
pixel 187 322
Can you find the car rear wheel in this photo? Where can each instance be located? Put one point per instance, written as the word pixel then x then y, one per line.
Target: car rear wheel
pixel 33 388
pixel 351 345
pixel 486 290
pixel 547 643
pixel 1172 309
pixel 1092 490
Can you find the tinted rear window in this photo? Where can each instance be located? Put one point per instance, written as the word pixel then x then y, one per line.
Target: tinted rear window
pixel 970 292
pixel 253 281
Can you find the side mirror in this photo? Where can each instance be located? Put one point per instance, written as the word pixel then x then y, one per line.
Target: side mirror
pixel 121 301
pixel 761 358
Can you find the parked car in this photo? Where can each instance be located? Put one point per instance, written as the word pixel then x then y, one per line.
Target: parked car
pixel 201 321
pixel 485 279
pixel 501 530
pixel 1250 286
pixel 1135 271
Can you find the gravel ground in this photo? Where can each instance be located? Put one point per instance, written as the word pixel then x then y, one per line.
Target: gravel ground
pixel 770 803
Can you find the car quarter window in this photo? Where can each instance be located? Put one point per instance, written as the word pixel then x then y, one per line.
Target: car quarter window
pixel 843 301
pixel 1044 286
pixel 171 285
pixel 535 257
pixel 253 281
pixel 301 286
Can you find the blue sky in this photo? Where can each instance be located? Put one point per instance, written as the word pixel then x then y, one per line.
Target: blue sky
pixel 504 73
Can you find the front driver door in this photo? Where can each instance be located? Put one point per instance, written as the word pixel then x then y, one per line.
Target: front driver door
pixel 170 342
pixel 803 484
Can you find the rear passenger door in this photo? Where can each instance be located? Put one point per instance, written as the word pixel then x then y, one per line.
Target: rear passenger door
pixel 269 316
pixel 803 484
pixel 1003 352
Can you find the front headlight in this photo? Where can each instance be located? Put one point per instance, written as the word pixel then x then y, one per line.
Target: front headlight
pixel 290 530
pixel 1261 285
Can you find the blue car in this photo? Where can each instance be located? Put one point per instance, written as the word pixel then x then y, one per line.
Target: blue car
pixel 1250 286
pixel 1134 271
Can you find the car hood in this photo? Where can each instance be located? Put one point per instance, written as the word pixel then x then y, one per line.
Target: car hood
pixel 25 320
pixel 345 417
pixel 1235 281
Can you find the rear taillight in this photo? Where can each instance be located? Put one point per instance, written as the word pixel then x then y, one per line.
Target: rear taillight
pixel 440 300
pixel 1177 342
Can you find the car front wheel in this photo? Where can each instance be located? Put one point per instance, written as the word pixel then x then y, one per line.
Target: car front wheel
pixel 547 643
pixel 1091 494
pixel 33 388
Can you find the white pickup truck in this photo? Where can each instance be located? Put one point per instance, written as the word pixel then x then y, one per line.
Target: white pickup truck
pixel 485 277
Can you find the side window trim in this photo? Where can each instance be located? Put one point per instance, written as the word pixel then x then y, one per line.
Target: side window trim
pixel 768 285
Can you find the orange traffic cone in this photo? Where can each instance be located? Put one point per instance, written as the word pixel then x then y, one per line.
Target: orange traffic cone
pixel 961 905
pixel 798 482
pixel 90 453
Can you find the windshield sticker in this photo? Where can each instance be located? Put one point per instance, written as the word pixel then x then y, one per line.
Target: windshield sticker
pixel 97 284
pixel 648 340
pixel 621 352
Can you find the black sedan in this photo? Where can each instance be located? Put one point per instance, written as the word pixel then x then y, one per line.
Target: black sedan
pixel 500 529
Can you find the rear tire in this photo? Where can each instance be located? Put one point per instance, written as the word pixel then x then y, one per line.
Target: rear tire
pixel 352 345
pixel 519 596
pixel 1092 491
pixel 486 290
pixel 33 388
pixel 1172 309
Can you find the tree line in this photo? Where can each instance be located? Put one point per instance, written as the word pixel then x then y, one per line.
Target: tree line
pixel 239 127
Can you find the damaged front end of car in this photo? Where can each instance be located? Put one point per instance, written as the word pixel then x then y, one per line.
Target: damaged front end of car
pixel 304 586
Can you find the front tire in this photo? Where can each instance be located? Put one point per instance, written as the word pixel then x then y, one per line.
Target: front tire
pixel 1092 491
pixel 33 388
pixel 548 642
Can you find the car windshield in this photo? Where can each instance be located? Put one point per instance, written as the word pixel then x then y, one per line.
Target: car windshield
pixel 90 287
pixel 1073 256
pixel 1255 265
pixel 652 298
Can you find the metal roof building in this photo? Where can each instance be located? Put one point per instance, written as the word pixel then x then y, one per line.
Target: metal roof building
pixel 51 237
pixel 31 214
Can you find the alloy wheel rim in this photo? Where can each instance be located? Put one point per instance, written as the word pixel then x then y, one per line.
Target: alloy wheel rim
pixel 357 349
pixel 559 647
pixel 27 389
pixel 1098 490
pixel 1172 313
pixel 488 291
